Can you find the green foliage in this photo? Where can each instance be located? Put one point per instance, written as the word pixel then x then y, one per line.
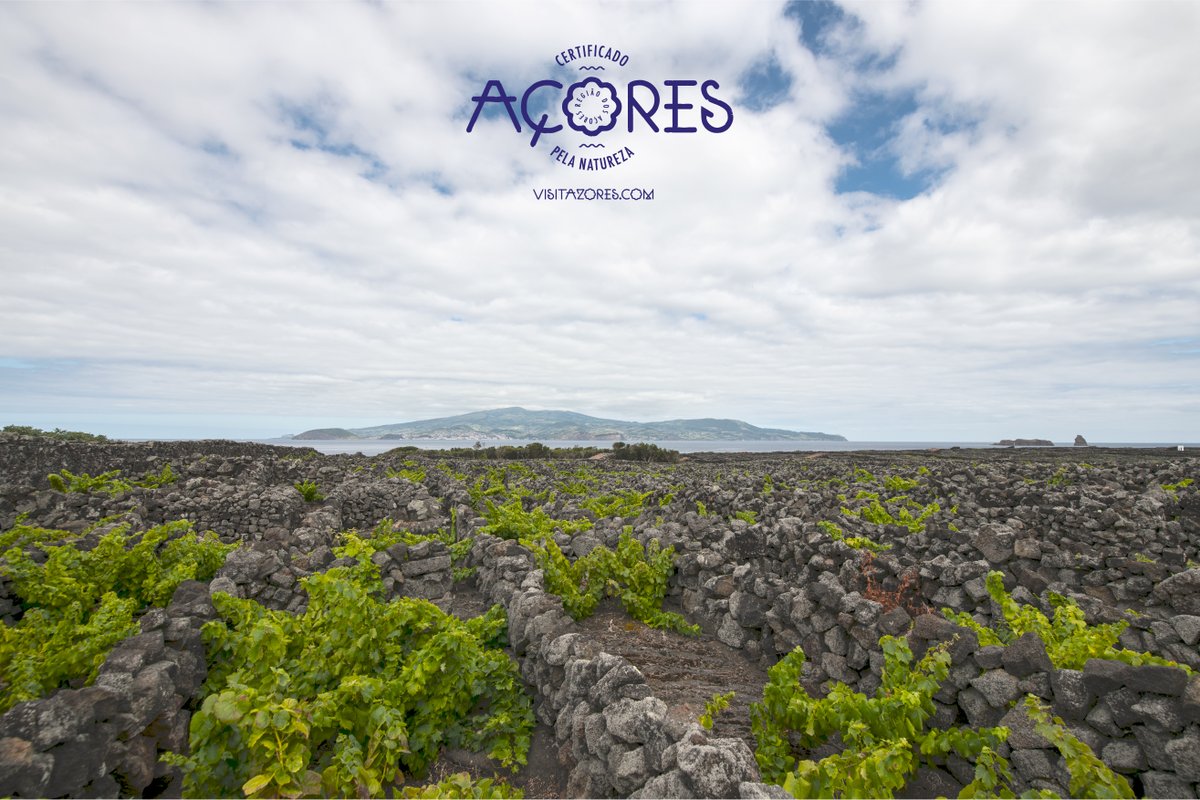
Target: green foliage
pixel 1059 478
pixel 345 699
pixel 701 509
pixel 57 434
pixel 637 575
pixel 412 471
pixel 895 483
pixel 22 535
pixel 879 514
pixel 713 707
pixel 884 735
pixel 1090 777
pixel 627 504
pixel 862 476
pixel 1070 641
pixel 1141 558
pixel 1175 487
pixel 644 452
pixel 857 542
pixel 79 603
pixel 386 534
pixel 768 485
pixel 749 517
pixel 107 482
pixel 461 785
pixel 511 521
pixel 158 480
pixel 310 491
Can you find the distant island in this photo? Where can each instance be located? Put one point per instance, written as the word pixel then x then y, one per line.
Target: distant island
pixel 1024 443
pixel 518 423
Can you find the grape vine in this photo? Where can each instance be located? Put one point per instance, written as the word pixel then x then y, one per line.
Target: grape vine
pixel 637 575
pixel 1070 641
pixel 884 735
pixel 79 603
pixel 347 698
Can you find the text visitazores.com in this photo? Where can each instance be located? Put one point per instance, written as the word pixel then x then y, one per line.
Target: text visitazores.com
pixel 593 194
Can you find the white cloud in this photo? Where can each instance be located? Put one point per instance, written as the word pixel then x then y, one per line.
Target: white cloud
pixel 165 248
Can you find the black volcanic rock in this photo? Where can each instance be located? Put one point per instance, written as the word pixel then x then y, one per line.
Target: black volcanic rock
pixel 1025 443
pixel 1080 441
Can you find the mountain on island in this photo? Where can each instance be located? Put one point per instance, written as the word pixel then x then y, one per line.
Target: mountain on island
pixel 519 423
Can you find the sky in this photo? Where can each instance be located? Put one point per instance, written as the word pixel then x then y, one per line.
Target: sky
pixel 943 221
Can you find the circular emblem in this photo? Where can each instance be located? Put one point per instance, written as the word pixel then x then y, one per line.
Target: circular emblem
pixel 592 106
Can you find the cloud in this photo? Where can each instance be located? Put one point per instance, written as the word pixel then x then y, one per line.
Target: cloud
pixel 940 221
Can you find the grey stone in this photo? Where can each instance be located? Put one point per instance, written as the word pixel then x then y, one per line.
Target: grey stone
pixel 225 584
pixel 980 713
pixel 589 778
pixel 1181 592
pixel 1102 676
pixel 595 734
pixel 895 622
pixel 1188 628
pixel 1121 703
pixel 1022 733
pixel 561 648
pixel 731 633
pixel 1157 678
pixel 64 714
pixel 1026 656
pixel 1101 718
pixel 668 785
pixel 1190 707
pixel 1124 756
pixel 1159 712
pixel 748 609
pixel 1164 784
pixel 718 768
pixel 837 670
pixel 1185 752
pixel 138 760
pixel 995 542
pixel 930 782
pixel 1033 764
pixel 629 771
pixel 23 770
pixel 76 764
pixel 631 720
pixel 749 790
pixel 605 690
pixel 997 687
pixel 411 569
pixel 1036 684
pixel 989 656
pixel 1072 700
pixel 1154 745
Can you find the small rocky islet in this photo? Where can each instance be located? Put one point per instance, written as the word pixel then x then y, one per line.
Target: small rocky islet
pixel 826 552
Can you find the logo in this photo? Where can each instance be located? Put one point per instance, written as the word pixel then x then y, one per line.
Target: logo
pixel 588 121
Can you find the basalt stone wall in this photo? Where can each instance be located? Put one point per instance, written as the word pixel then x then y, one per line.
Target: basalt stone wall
pixel 617 738
pixel 105 740
pixel 26 459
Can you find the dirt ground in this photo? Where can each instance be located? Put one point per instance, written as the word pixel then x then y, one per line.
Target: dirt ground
pixel 683 671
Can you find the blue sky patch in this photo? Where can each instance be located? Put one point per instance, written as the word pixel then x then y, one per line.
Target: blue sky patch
pixel 765 85
pixel 816 19
pixel 315 135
